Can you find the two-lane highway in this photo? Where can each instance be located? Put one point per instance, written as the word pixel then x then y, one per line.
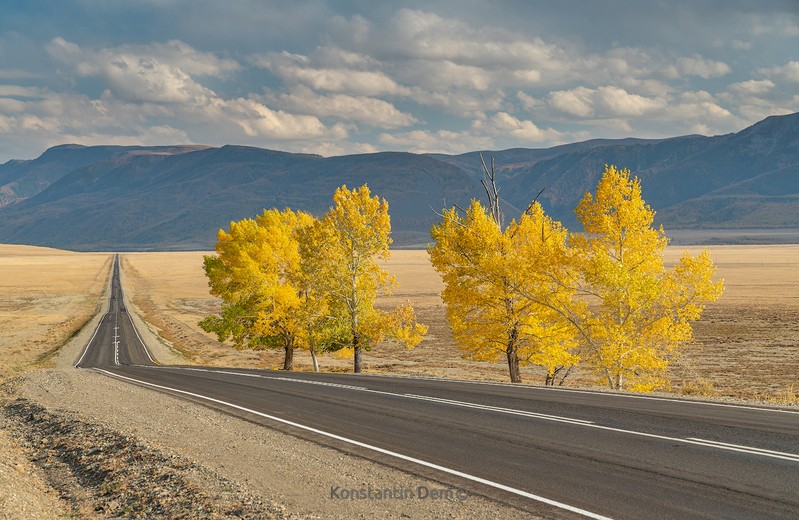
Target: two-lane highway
pixel 116 341
pixel 554 452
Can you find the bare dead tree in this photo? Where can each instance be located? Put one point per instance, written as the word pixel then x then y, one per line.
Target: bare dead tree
pixel 489 182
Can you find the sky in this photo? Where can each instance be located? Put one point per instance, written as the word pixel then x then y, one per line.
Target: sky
pixel 342 77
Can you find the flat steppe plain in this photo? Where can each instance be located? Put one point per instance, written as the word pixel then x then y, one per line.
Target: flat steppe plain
pixel 745 346
pixel 46 296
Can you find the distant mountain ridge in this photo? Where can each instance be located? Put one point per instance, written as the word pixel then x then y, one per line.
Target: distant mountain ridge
pixel 178 197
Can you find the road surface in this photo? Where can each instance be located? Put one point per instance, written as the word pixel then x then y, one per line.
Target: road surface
pixel 553 452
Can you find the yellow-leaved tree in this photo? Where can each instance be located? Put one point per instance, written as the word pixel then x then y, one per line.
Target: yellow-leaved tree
pixel 504 287
pixel 638 312
pixel 256 272
pixel 347 244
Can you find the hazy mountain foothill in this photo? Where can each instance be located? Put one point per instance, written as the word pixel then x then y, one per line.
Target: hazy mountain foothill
pixel 178 197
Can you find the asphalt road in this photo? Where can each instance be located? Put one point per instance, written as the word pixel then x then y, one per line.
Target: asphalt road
pixel 557 453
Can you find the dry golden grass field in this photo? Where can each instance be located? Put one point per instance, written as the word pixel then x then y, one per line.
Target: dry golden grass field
pixel 746 346
pixel 46 295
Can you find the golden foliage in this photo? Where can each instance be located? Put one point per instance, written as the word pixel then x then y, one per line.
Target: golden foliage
pixel 533 293
pixel 348 242
pixel 256 273
pixel 640 313
pixel 503 287
pixel 287 279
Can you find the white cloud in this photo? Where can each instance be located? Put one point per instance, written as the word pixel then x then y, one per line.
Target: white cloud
pixel 256 119
pixel 702 67
pixel 789 71
pixel 523 131
pixel 159 73
pixel 576 102
pixel 604 102
pixel 752 87
pixel 529 103
pixel 313 72
pixel 440 141
pixel 372 111
pixel 173 53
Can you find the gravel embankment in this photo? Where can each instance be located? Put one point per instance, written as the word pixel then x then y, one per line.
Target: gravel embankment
pixel 103 472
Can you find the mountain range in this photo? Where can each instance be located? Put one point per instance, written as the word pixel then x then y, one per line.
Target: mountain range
pixel 178 197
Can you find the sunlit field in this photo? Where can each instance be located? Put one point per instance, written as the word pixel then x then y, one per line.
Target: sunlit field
pixel 746 345
pixel 46 295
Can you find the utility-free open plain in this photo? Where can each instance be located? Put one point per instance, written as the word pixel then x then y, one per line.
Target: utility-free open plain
pixel 745 346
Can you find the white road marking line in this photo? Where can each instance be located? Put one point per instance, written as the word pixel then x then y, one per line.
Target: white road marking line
pixel 464 404
pixel 579 422
pixel 588 392
pixel 360 444
pixel 86 348
pixel 749 449
pixel 500 409
pixel 116 339
pixel 130 319
pixel 146 350
pixel 261 376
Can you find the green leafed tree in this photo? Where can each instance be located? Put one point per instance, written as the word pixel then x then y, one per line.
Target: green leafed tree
pixel 256 273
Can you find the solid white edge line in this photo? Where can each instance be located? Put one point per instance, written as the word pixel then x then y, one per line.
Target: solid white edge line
pixel 555 418
pixel 130 318
pixel 377 449
pixel 86 348
pixel 146 350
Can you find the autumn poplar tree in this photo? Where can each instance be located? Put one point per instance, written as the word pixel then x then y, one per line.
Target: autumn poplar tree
pixel 639 313
pixel 256 273
pixel 348 243
pixel 504 286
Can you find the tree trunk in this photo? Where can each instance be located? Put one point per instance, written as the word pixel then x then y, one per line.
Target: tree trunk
pixel 288 360
pixel 313 358
pixel 358 360
pixel 513 365
pixel 356 354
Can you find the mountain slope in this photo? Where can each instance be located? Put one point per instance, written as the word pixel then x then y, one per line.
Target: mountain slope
pixel 178 197
pixel 180 201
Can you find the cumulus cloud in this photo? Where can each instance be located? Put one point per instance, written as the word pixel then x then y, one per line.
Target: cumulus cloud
pixel 523 131
pixel 605 102
pixel 371 111
pixel 426 79
pixel 160 73
pixel 439 141
pixel 317 74
pixel 702 67
pixel 789 71
pixel 163 80
pixel 752 87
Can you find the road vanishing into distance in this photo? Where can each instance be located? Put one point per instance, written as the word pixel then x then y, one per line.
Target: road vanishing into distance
pixel 553 452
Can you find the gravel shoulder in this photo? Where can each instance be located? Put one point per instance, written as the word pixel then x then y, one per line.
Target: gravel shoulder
pixel 78 443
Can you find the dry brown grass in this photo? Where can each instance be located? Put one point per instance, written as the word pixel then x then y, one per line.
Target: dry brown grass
pixel 46 295
pixel 746 346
